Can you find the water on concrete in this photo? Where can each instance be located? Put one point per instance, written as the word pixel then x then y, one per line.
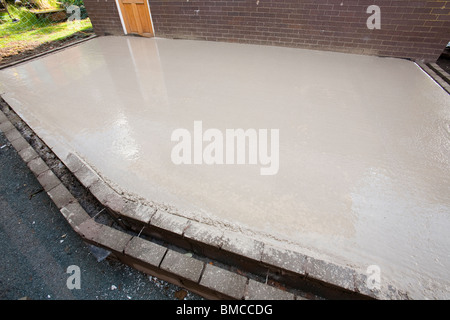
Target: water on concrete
pixel 364 143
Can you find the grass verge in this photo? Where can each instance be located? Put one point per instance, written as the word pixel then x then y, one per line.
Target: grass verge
pixel 30 32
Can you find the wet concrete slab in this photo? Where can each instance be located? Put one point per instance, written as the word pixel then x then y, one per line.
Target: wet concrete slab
pixel 364 144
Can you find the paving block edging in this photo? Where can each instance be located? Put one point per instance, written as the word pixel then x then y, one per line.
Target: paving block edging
pixel 437 73
pixel 191 273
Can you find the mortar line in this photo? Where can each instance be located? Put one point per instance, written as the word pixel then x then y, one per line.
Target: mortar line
pixel 164 256
pixel 201 273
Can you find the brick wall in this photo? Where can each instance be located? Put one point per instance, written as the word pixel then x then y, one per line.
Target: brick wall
pixel 104 17
pixel 410 29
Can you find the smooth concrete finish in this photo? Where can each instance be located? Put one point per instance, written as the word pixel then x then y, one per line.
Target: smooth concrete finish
pixel 364 173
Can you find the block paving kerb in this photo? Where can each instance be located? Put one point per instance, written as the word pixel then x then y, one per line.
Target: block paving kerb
pixel 167 263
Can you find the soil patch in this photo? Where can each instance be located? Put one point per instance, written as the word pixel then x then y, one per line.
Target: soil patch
pixel 24 49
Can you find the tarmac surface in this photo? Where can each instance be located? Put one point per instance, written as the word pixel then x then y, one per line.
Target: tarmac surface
pixel 38 246
pixel 361 175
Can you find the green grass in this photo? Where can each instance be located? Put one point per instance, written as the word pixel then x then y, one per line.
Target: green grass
pixel 31 31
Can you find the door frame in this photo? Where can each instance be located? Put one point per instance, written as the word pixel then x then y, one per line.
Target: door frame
pixel 123 23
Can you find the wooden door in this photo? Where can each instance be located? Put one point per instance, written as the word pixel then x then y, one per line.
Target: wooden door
pixel 136 17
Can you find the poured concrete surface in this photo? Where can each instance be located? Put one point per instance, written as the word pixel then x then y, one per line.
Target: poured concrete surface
pixel 364 175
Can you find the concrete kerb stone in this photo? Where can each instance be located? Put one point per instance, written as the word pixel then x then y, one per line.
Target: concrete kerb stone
pixel 260 291
pixel 100 190
pixel 362 287
pixel 167 221
pixel 20 144
pixel 48 180
pixel 12 135
pixel 115 202
pixel 286 260
pixel 185 267
pixel 86 176
pixel 28 154
pixel 203 239
pixel 241 245
pixel 3 118
pixel 88 230
pixel 242 251
pixel 441 72
pixel 385 292
pixel 112 240
pixel 112 201
pixel 168 227
pixel 225 284
pixel 37 166
pixel 105 237
pixel 287 266
pixel 73 163
pixel 146 252
pixel 74 214
pixel 313 275
pixel 61 196
pixel 5 125
pixel 137 214
pixel 330 274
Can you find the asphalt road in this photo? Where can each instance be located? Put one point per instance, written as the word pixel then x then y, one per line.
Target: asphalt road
pixel 38 245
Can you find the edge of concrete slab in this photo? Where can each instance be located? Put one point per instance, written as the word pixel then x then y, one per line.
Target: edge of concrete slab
pixel 11 64
pixel 298 271
pixel 440 76
pixel 441 72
